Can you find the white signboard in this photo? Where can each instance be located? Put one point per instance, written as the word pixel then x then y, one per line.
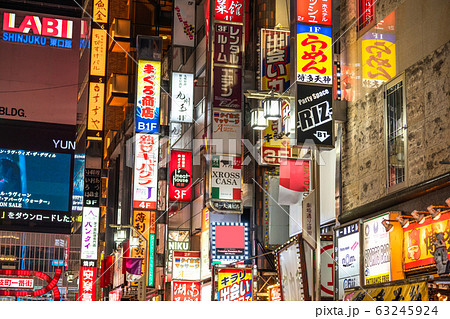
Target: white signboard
pixel 184 22
pixel 182 97
pixel 291 277
pixel 309 219
pixel 89 237
pixel 227 127
pixel 145 171
pixel 186 265
pixel 377 254
pixel 226 177
pixel 17 283
pixel 347 258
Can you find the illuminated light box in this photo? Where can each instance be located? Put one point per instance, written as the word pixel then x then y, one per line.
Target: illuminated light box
pixel 229 241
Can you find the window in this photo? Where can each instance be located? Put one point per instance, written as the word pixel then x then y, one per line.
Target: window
pixel 396 131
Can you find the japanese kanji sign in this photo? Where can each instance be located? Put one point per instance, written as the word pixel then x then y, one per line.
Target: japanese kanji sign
pixel 366 13
pixel 235 284
pixel 24 283
pixel 228 39
pixel 184 23
pixel 275 60
pixel 177 240
pixel 180 176
pixel 314 114
pixel 148 99
pixel 227 127
pixel 144 221
pixel 378 58
pixel 88 278
pixel 92 187
pixel 229 10
pixel 314 54
pixel 98 52
pixel 186 265
pixel 100 11
pixel 314 11
pixel 226 177
pixel 274 146
pixel 419 241
pixel 309 219
pixel 182 97
pixel 145 171
pixel 186 291
pixel 95 109
pixel 227 87
pixel 89 238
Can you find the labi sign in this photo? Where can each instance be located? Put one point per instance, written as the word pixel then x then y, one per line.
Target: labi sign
pixel 314 114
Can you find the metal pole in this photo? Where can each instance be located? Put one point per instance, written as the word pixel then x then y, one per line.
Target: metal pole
pixel 316 176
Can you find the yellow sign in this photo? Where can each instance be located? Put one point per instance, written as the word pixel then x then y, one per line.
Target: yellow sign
pixel 235 284
pixel 96 105
pixel 98 52
pixel 405 292
pixel 100 11
pixel 274 147
pixel 378 58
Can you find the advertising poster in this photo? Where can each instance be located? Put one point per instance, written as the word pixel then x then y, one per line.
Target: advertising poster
pixel 89 237
pixel 180 176
pixel 378 59
pixel 147 96
pixel 408 292
pixel 314 114
pixel 186 291
pixel 229 10
pixel 227 128
pixel 182 97
pixel 235 284
pixel 177 240
pixel 228 39
pixel 347 258
pixel 419 241
pixel 184 23
pixel 227 87
pixel 186 265
pixel 229 242
pixel 145 171
pixel 226 177
pixel 377 252
pixel 290 274
pixel 88 278
pixel 314 54
pixel 314 11
pixel 275 60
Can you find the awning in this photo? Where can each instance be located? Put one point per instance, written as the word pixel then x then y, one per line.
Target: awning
pixel 417 291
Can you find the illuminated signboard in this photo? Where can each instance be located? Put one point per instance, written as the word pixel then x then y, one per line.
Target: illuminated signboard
pixel 180 176
pixel 227 127
pixel 377 252
pixel 229 10
pixel 417 291
pixel 184 23
pixel 272 146
pixel 145 171
pixel 314 11
pixel 204 246
pixel 274 293
pixel 226 177
pixel 227 87
pixel 148 99
pixel 89 238
pixel 95 109
pixel 177 240
pixel 186 291
pixel 228 39
pixel 186 265
pixel 314 54
pixel 25 283
pixel 230 241
pixel 100 11
pixel 98 52
pixel 78 182
pixel 378 58
pixel 182 97
pixel 88 278
pixel 235 284
pixel 419 241
pixel 366 13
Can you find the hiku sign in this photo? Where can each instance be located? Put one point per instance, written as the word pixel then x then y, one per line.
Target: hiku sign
pixel 226 177
pixel 147 97
pixel 314 114
pixel 145 171
pixel 229 10
pixel 88 278
pixel 33 29
pixel 227 87
pixel 228 44
pixel 186 291
pixel 235 284
pixel 180 176
pixel 182 97
pixel 314 54
pixel 89 237
pixel 275 60
pixel 23 283
pixel 186 265
pixel 230 241
pixel 314 11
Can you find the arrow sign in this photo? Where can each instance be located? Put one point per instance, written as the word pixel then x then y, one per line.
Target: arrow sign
pixel 321 135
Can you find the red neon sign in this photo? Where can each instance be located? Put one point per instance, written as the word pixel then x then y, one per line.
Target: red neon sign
pixel 88 277
pixel 314 11
pixel 180 176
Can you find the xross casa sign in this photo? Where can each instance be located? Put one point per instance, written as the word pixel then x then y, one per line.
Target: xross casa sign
pixel 35 30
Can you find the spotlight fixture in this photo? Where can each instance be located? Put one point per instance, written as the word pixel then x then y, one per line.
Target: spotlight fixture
pixel 419 216
pixel 436 211
pixel 404 220
pixel 387 225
